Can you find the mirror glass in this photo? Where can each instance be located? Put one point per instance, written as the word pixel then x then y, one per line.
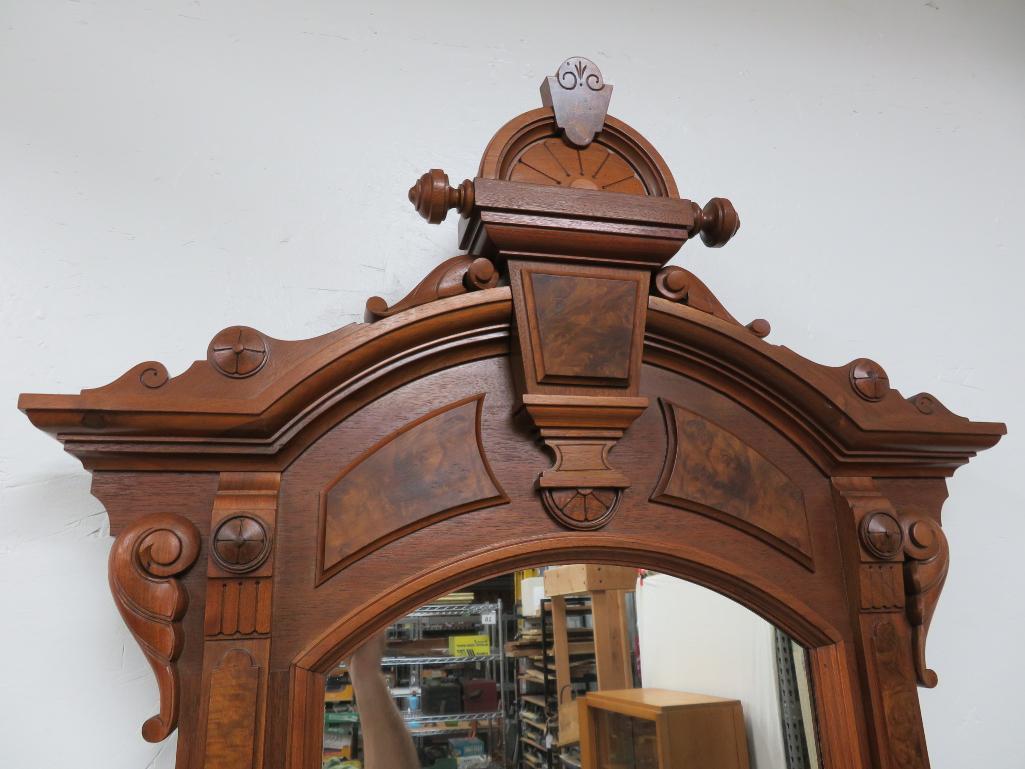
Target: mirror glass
pixel 560 667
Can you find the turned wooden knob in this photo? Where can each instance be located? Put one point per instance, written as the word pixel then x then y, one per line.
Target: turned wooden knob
pixel 718 222
pixel 432 196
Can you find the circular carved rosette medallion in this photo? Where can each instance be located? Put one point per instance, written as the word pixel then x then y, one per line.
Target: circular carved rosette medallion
pixel 869 380
pixel 241 543
pixel 238 351
pixel 581 508
pixel 882 535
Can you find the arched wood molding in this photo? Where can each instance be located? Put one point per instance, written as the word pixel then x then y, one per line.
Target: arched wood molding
pixel 267 419
pixel 835 702
pixel 809 493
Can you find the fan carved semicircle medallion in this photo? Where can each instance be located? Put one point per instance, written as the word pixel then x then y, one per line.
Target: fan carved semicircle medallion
pixel 595 167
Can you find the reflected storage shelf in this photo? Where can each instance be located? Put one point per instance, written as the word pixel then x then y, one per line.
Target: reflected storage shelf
pixel 425 633
pixel 661 729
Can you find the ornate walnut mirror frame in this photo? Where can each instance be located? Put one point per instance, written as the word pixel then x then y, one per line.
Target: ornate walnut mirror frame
pixel 280 501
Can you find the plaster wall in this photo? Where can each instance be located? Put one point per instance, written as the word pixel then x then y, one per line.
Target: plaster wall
pixel 694 640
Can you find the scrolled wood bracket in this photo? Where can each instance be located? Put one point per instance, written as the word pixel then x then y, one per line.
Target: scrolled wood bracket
pixel 145 563
pixel 457 275
pixel 432 196
pixel 926 562
pixel 679 285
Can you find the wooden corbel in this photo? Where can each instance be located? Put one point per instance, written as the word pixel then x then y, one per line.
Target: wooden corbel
pixel 926 562
pixel 884 621
pixel 145 562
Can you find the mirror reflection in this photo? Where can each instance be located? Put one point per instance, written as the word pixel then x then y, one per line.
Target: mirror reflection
pixel 562 667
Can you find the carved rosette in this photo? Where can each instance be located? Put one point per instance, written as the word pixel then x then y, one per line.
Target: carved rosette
pixel 869 380
pixel 881 535
pixel 238 351
pixel 240 564
pixel 240 543
pixel 145 562
pixel 926 562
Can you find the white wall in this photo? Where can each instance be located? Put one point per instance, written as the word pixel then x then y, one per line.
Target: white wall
pixel 170 168
pixel 694 640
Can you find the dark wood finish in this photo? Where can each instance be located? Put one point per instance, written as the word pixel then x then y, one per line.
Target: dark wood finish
pixel 553 162
pixel 679 285
pixel 869 380
pixel 336 483
pixel 236 352
pixel 231 723
pixel 525 132
pixel 238 620
pixel 580 225
pixel 926 561
pixel 711 471
pixel 583 327
pixel 241 564
pixel 580 329
pixel 452 277
pixel 433 468
pixel 145 561
pixel 432 196
pixel 579 97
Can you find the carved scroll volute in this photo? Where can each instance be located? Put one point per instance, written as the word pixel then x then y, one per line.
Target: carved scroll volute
pixel 145 562
pixel 927 559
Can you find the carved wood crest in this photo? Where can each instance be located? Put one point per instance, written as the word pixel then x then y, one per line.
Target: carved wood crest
pixel 337 482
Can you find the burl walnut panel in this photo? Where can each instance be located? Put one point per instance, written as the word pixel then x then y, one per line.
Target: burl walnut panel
pixel 234 721
pixel 710 470
pixel 584 325
pixel 432 468
pixel 901 716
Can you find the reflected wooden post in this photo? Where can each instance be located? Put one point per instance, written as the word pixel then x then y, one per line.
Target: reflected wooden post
pixel 606 586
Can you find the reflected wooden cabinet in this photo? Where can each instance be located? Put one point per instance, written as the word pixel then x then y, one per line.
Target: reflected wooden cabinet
pixel 660 729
